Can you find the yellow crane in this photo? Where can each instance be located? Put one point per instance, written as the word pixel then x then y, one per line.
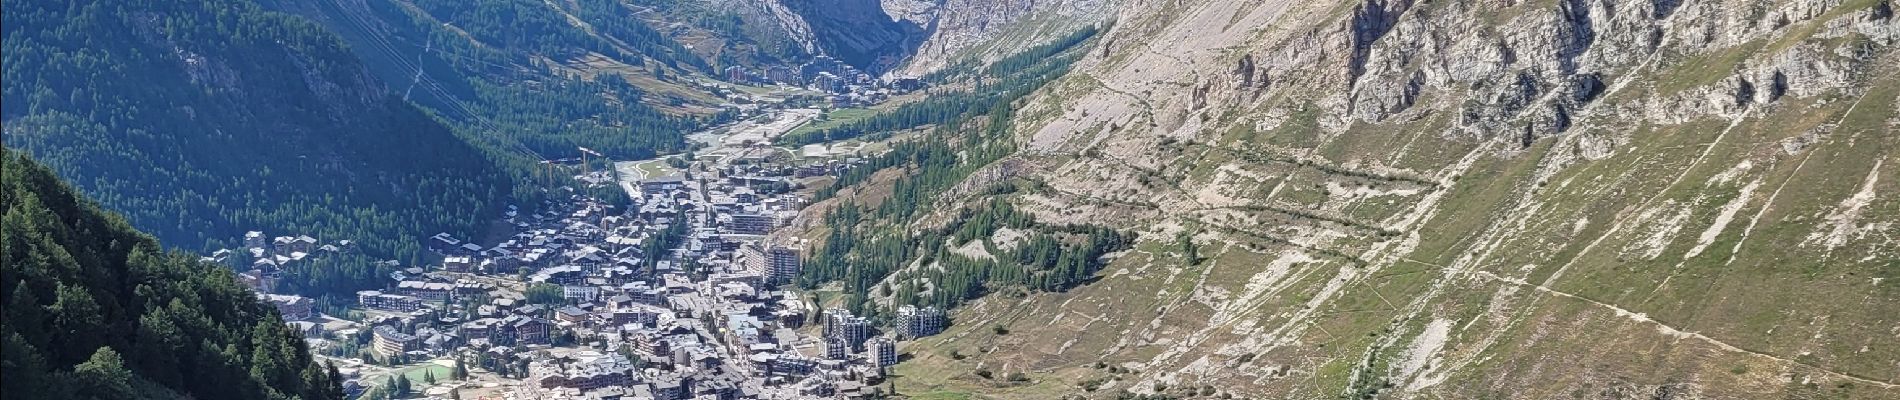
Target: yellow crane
pixel 546 172
pixel 585 169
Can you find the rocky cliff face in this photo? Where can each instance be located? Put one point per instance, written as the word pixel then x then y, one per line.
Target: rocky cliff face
pixel 914 37
pixel 955 30
pixel 1464 199
pixel 857 31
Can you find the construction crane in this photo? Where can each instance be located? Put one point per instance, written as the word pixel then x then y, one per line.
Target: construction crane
pixel 546 172
pixel 587 171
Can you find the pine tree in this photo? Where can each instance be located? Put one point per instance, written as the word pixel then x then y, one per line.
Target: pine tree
pixel 336 382
pixel 23 309
pixel 24 373
pixel 76 320
pixel 402 386
pixel 461 368
pixel 103 376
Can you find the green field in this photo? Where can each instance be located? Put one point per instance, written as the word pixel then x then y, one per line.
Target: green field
pixel 943 396
pixel 416 373
pixel 655 168
pixel 834 119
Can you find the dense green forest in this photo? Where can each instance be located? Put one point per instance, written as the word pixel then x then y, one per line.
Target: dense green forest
pixel 935 109
pixel 202 119
pixel 865 246
pixel 859 252
pixel 96 310
pixel 525 27
pixel 329 277
pixel 995 88
pixel 503 74
pixel 1014 63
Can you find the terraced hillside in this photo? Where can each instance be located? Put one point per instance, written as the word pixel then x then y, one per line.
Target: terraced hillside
pixel 1454 199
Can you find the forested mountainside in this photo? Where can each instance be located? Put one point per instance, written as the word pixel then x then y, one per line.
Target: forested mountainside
pixel 726 32
pixel 877 253
pixel 1409 199
pixel 201 120
pixel 98 310
pixel 530 80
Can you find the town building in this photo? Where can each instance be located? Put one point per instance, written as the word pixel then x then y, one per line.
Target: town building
pixel 751 224
pixel 458 263
pixel 430 291
pixel 529 330
pixel 915 322
pixel 883 351
pixel 736 74
pixel 839 323
pixel 254 240
pixel 585 375
pixel 292 308
pixel 580 293
pixel 790 364
pixel 377 300
pixel 570 314
pixel 782 75
pixel 836 348
pixel 561 275
pixel 662 185
pixel 778 264
pixel 390 343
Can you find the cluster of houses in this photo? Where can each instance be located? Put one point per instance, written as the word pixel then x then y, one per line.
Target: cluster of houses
pixel 261 259
pixel 679 296
pixel 260 262
pixel 426 336
pixel 820 72
pixel 581 298
pixel 846 86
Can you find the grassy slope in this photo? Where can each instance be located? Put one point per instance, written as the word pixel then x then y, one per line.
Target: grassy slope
pixel 1778 316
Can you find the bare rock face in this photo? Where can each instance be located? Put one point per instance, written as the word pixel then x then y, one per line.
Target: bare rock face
pixel 914 37
pixel 955 30
pixel 1371 21
pixel 861 33
pixel 858 32
pixel 1467 199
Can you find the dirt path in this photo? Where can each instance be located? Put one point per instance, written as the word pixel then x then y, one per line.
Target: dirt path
pixel 1678 333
